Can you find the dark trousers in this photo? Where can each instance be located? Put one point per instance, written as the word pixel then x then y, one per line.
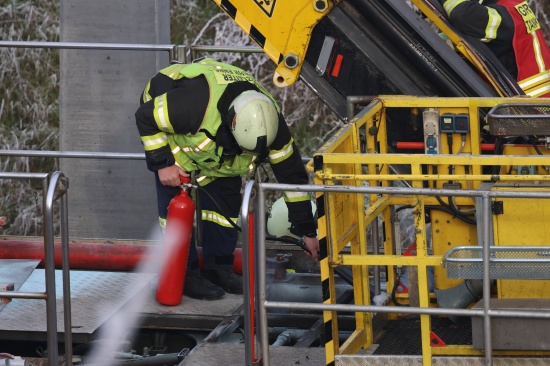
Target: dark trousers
pixel 218 199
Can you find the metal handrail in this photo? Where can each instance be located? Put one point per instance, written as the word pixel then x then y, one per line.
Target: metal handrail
pixel 248 329
pixel 177 52
pixel 72 154
pixel 263 304
pixel 88 45
pixel 84 154
pixel 239 49
pixel 50 193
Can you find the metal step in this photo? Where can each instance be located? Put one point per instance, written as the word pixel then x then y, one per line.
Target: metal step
pixel 368 360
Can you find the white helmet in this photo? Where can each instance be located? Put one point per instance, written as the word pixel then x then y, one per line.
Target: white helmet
pixel 277 221
pixel 255 122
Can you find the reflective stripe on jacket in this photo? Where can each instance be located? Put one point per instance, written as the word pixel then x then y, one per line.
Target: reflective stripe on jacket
pixel 532 52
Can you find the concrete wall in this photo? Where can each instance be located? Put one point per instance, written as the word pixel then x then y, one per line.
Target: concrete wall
pixel 99 95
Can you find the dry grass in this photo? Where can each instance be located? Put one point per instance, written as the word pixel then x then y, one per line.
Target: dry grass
pixel 29 110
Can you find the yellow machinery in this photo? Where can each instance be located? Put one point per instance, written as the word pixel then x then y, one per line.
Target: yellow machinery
pixel 369 47
pixel 466 158
pixel 281 30
pixel 360 154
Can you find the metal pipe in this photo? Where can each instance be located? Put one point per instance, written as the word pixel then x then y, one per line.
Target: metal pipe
pixel 111 257
pixel 73 154
pixel 23 295
pixel 83 154
pixel 375 251
pixel 261 285
pixel 256 272
pixel 180 54
pixel 350 308
pixel 486 312
pixel 48 233
pixel 240 49
pixel 24 176
pixel 289 336
pixel 66 275
pixel 94 256
pixel 87 46
pixel 49 265
pixel 401 190
pixel 237 49
pixel 352 100
pixel 248 331
pixel 485 224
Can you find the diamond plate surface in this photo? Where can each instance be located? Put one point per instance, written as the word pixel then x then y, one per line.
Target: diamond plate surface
pixel 227 354
pixel 16 271
pixel 360 360
pixel 225 307
pixel 95 297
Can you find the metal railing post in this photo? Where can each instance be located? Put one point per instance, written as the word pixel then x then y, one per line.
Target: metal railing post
pixel 65 264
pixel 248 329
pixel 261 284
pixel 486 313
pixel 486 243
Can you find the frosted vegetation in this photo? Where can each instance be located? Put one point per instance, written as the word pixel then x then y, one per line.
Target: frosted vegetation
pixel 29 88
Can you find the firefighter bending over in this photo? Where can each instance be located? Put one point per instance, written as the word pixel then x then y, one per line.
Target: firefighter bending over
pixel 512 32
pixel 216 120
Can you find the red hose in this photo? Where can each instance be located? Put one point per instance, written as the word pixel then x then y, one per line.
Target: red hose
pixel 110 257
pixel 91 256
pixel 411 145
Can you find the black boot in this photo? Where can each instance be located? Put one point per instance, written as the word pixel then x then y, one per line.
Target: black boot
pixel 198 287
pixel 226 279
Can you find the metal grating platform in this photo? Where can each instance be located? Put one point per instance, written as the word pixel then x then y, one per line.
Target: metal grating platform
pixel 191 314
pixel 519 119
pixel 507 262
pixel 356 360
pixel 225 307
pixel 96 296
pixel 213 354
pixel 402 337
pixel 16 271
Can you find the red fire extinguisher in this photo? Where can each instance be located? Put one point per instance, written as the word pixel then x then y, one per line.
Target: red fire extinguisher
pixel 179 226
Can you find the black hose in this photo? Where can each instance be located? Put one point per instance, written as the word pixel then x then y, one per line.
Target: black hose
pixel 459 216
pixel 285 239
pixel 345 274
pixel 393 291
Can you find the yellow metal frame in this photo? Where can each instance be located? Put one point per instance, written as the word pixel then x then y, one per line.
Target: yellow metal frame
pixel 281 28
pixel 342 225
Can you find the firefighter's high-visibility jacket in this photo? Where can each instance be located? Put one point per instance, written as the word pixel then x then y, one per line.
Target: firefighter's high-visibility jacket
pixel 513 33
pixel 181 121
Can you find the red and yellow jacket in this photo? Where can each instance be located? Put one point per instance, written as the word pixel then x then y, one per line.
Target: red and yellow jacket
pixel 511 30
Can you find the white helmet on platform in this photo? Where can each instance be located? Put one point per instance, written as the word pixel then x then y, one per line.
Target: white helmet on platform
pixel 277 221
pixel 255 122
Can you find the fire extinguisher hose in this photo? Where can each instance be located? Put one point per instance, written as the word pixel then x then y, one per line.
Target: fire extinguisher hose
pixel 286 239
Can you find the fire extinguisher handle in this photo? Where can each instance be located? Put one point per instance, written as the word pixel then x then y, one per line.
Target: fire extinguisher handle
pixel 184 180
